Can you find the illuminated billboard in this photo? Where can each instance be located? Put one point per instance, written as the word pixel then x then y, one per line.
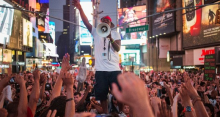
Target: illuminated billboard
pixel 201 26
pixel 14 38
pixel 52 30
pixel 47 22
pixel 126 15
pixel 163 23
pixel 85 36
pixel 6 21
pixel 27 33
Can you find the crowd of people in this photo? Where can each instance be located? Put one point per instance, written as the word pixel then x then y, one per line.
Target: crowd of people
pixel 159 94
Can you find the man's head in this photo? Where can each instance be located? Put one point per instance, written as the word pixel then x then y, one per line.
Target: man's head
pixel 77 96
pixel 107 20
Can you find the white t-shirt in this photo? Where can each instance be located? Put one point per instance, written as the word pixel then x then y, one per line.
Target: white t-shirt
pixel 103 63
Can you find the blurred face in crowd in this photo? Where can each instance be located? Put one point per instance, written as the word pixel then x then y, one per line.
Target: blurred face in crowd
pixel 126 109
pixel 76 98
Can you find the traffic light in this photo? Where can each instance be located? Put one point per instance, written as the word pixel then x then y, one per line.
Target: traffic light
pixel 91 62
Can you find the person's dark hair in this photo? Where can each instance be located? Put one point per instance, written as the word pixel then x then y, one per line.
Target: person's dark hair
pixel 218 114
pixel 211 108
pixel 59 104
pixel 12 108
pixel 113 108
pixel 77 93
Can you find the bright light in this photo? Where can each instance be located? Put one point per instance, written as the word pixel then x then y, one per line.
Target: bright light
pixel 164 33
pixel 160 34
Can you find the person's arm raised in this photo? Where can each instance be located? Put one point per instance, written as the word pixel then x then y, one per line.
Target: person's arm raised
pixel 82 14
pixel 23 103
pixel 196 99
pixel 35 92
pixel 58 85
pixel 4 82
pixel 68 81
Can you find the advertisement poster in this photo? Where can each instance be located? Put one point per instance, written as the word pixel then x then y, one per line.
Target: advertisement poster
pixel 6 20
pixel 163 23
pixel 52 30
pixel 199 54
pixel 85 36
pixel 7 56
pixel 126 15
pixel 15 30
pixel 201 26
pixel 27 33
pixel 164 46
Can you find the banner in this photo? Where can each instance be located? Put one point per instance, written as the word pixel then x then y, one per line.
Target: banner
pixel 126 15
pixel 27 33
pixel 201 26
pixel 15 35
pixel 7 56
pixel 164 46
pixel 163 23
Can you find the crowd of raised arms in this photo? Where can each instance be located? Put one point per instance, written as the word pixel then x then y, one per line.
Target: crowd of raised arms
pixel 153 94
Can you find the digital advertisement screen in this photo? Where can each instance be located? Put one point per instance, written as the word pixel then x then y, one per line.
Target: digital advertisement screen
pixel 201 26
pixel 27 33
pixel 41 24
pixel 126 15
pixel 15 30
pixel 52 30
pixel 85 36
pixel 163 23
pixel 6 21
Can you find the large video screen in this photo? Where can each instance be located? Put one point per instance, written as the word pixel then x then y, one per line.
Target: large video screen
pixel 163 23
pixel 6 20
pixel 201 26
pixel 126 15
pixel 27 33
pixel 85 35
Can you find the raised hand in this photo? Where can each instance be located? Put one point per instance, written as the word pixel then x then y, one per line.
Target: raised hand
pixel 130 84
pixel 19 79
pixel 133 93
pixel 190 89
pixel 164 111
pixel 76 4
pixel 36 74
pixel 184 96
pixel 50 114
pixel 65 63
pixel 68 80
